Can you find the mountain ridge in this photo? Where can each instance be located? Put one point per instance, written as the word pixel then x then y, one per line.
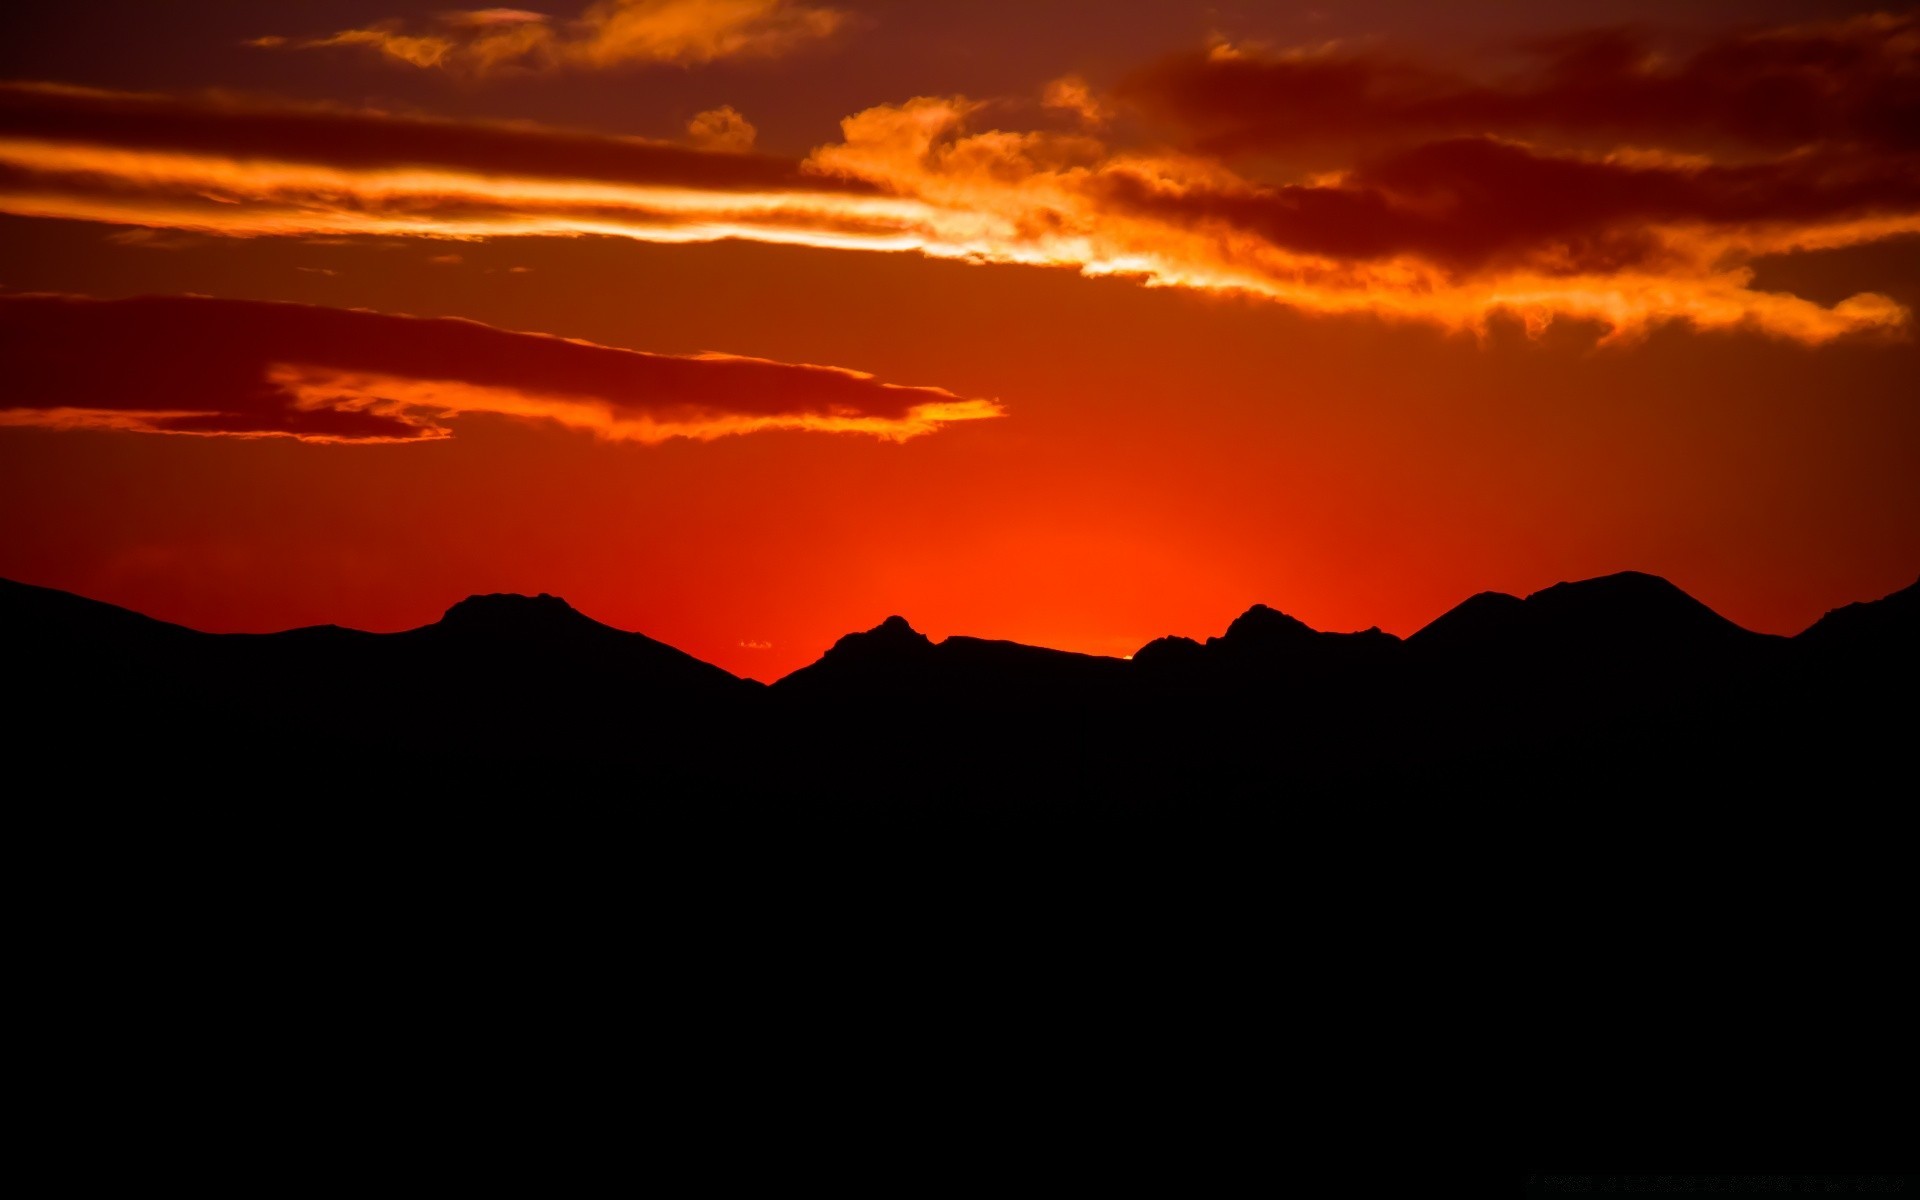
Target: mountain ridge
pixel 1619 685
pixel 1260 629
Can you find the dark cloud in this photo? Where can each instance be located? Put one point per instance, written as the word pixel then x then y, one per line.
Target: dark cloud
pixel 354 139
pixel 1855 82
pixel 1468 203
pixel 610 33
pixel 1439 202
pixel 194 365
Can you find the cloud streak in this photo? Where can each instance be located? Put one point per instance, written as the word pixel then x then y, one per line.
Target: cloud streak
pixel 1853 82
pixel 238 368
pixel 610 33
pixel 1450 221
pixel 234 131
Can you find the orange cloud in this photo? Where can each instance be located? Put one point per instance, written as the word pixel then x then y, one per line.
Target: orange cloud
pixel 610 33
pixel 1072 93
pixel 722 130
pixel 200 366
pixel 1449 231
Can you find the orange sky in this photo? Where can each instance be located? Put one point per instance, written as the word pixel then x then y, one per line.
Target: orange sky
pixel 1103 329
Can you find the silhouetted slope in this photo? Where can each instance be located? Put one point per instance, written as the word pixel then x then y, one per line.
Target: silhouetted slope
pixel 1631 613
pixel 80 669
pixel 1170 653
pixel 1475 624
pixel 1889 625
pixel 1619 676
pixel 33 616
pixel 1630 616
pixel 1263 645
pixel 890 713
pixel 1267 631
pixel 1621 681
pixel 545 635
pixel 891 658
pixel 539 634
pixel 497 679
pixel 893 661
pixel 1265 634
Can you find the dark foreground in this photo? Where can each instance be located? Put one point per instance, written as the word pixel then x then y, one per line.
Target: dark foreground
pixel 1621 689
pixel 1550 869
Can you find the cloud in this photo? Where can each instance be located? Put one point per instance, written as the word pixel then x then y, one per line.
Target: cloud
pixel 1071 93
pixel 1450 232
pixel 233 130
pixel 154 239
pixel 721 130
pixel 610 33
pixel 241 368
pixel 1855 81
pixel 1431 225
pixel 1472 205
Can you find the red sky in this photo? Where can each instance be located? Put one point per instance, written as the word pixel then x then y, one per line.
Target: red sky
pixel 745 324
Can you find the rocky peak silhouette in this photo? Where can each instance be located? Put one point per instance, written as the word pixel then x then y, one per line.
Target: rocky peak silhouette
pixel 1169 651
pixel 1890 624
pixel 1627 672
pixel 1630 610
pixel 510 612
pixel 1475 621
pixel 890 638
pixel 1261 627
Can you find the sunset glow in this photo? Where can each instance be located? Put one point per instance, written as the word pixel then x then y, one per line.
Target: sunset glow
pixel 1141 312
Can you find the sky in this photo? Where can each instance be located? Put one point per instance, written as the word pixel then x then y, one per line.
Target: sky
pixel 747 323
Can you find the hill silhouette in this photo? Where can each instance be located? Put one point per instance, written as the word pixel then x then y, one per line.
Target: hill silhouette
pixel 1889 626
pixel 893 662
pixel 1619 681
pixel 1633 614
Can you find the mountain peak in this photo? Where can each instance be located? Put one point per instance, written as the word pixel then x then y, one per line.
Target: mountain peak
pixel 1169 651
pixel 1631 605
pixel 1479 617
pixel 891 636
pixel 1264 626
pixel 1621 585
pixel 499 612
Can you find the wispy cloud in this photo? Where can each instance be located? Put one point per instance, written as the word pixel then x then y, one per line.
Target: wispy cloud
pixel 1070 92
pixel 1434 220
pixel 237 368
pixel 155 239
pixel 609 33
pixel 1854 81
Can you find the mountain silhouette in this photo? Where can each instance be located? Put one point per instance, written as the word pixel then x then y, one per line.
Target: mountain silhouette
pixel 1628 614
pixel 513 615
pixel 497 680
pixel 538 635
pixel 1631 611
pixel 545 634
pixel 1889 626
pixel 35 615
pixel 1265 634
pixel 891 656
pixel 1477 624
pixel 894 664
pixel 1619 681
